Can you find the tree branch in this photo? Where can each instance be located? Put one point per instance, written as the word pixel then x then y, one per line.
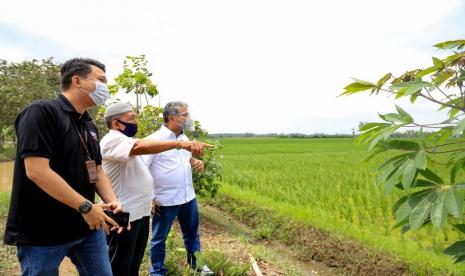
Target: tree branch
pixel 447 96
pixel 425 97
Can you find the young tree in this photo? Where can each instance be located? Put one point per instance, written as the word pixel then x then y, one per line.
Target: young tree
pixel 414 167
pixel 135 79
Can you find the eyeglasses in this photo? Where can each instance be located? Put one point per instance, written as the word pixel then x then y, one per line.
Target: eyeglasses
pixel 184 114
pixel 103 80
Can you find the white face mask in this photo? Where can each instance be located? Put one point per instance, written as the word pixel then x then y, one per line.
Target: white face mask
pixel 187 124
pixel 101 93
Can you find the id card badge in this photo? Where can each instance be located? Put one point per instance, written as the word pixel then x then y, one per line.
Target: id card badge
pixel 92 171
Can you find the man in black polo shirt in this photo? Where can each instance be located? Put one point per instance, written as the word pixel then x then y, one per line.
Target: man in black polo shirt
pixel 57 173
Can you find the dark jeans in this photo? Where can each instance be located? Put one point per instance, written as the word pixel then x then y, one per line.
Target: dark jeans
pixel 188 217
pixel 126 250
pixel 88 254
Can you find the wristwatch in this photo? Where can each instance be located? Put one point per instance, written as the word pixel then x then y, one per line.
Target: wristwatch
pixel 178 144
pixel 85 207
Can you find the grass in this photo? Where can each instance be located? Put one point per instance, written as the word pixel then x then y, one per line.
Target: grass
pixel 8 259
pixel 175 259
pixel 320 182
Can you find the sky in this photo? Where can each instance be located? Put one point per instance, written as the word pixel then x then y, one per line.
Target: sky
pixel 261 66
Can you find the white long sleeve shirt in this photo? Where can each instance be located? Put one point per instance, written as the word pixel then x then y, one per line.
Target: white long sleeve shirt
pixel 171 171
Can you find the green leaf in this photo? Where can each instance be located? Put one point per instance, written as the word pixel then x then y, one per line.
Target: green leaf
pixel 401 157
pixel 405 116
pixel 408 174
pixel 427 71
pixel 454 171
pixel 402 145
pixel 391 117
pixel 371 155
pixel 364 82
pixel 403 212
pixel 392 179
pixel 451 44
pixel 418 183
pixel 409 88
pixel 413 98
pixel 460 227
pixel 420 160
pixel 399 203
pixel 460 259
pixel 383 81
pixel 442 76
pixel 357 86
pixel 423 183
pixel 454 202
pixel 415 198
pixel 385 133
pixel 457 249
pixel 369 134
pixel 369 126
pixel 438 210
pixel 429 174
pixel 437 62
pixel 441 135
pixel 459 128
pixel 421 211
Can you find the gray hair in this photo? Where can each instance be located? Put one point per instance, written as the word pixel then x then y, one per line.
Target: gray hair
pixel 109 119
pixel 171 109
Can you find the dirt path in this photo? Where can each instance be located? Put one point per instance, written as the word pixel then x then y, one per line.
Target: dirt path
pixel 220 231
pixel 215 238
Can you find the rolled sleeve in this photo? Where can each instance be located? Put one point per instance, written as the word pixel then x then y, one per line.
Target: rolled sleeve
pixel 117 147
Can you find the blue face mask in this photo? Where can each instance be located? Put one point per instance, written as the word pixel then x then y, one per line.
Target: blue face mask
pixel 101 93
pixel 130 129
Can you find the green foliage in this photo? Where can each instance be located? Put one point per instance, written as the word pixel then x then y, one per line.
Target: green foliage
pixel 135 79
pixel 412 169
pixel 149 120
pixel 209 181
pixel 20 84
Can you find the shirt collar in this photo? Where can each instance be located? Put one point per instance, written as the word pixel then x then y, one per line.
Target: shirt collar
pixel 167 132
pixel 68 107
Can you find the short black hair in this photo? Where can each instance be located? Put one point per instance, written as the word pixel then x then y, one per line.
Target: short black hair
pixel 77 66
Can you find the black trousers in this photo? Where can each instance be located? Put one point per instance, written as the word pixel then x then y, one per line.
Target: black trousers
pixel 127 249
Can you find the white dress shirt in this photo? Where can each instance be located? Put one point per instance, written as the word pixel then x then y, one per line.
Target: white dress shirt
pixel 171 171
pixel 130 178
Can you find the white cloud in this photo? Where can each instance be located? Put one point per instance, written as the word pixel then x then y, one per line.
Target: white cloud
pixel 12 54
pixel 260 66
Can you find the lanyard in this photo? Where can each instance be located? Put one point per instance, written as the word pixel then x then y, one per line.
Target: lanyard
pixel 83 141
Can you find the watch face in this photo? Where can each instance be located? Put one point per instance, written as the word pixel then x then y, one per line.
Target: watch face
pixel 85 207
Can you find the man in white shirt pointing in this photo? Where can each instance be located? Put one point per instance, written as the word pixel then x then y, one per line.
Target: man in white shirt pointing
pixel 173 190
pixel 132 183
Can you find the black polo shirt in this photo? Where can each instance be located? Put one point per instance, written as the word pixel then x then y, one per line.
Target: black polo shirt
pixel 48 128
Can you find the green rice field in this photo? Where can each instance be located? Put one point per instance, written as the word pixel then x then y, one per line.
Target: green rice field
pixel 321 182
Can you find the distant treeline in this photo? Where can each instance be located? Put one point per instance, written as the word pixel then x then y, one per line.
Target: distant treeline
pixel 406 134
pixel 279 135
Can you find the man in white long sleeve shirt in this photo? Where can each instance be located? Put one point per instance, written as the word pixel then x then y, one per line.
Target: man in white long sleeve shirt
pixel 131 182
pixel 173 190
